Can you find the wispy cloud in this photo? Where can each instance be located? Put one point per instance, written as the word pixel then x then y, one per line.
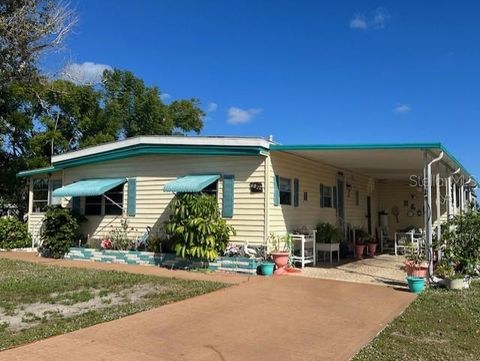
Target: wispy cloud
pixel 211 107
pixel 380 16
pixel 402 109
pixel 376 20
pixel 165 96
pixel 240 116
pixel 86 73
pixel 358 22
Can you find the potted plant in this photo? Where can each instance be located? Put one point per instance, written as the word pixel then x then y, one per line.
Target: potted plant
pixel 372 246
pixel 281 251
pixel 361 237
pixel 416 284
pixel 328 233
pixel 453 280
pixel 415 262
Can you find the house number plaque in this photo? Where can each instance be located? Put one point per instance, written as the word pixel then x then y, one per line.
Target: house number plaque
pixel 256 187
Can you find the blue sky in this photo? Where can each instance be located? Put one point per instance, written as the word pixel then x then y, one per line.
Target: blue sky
pixel 304 71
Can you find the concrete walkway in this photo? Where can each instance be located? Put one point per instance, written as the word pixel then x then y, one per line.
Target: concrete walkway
pixel 280 318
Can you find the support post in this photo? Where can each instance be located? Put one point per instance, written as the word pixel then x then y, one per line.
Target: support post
pixel 437 205
pixel 448 198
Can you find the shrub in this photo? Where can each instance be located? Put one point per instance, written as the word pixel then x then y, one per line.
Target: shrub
pixel 328 233
pixel 461 236
pixel 59 231
pixel 119 237
pixel 196 228
pixel 14 234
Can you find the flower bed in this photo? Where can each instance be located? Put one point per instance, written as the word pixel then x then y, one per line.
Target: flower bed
pixel 168 260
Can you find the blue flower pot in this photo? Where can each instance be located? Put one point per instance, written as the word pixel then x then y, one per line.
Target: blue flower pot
pixel 416 284
pixel 266 268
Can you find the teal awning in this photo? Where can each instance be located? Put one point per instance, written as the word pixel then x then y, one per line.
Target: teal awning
pixel 191 183
pixel 88 187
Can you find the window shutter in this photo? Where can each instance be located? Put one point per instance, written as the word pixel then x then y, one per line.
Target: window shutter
pixel 334 197
pixel 76 204
pixel 296 186
pixel 276 190
pixel 228 195
pixel 321 196
pixel 132 197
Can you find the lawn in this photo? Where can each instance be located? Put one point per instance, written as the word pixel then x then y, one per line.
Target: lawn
pixel 38 301
pixel 439 325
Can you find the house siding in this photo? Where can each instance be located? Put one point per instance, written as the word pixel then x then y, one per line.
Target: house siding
pixel 285 218
pixel 153 172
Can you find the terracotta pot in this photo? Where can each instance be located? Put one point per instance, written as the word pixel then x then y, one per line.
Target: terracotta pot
pixel 280 259
pixel 416 270
pixel 359 249
pixel 372 248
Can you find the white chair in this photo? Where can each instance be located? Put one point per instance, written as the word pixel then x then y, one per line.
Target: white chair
pixel 405 239
pixel 306 247
pixel 386 242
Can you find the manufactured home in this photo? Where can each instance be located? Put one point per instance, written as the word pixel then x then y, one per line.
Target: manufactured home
pixel 262 187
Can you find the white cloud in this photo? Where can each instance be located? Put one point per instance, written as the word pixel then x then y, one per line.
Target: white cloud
pixel 380 16
pixel 165 96
pixel 377 20
pixel 402 109
pixel 358 22
pixel 85 73
pixel 212 106
pixel 241 116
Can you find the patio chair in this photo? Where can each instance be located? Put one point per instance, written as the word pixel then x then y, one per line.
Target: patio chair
pixel 405 239
pixel 386 242
pixel 303 249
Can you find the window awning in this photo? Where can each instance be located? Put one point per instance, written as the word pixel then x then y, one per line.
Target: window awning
pixel 190 183
pixel 88 187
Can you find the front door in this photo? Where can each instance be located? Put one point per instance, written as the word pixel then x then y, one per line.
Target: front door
pixel 341 201
pixel 369 214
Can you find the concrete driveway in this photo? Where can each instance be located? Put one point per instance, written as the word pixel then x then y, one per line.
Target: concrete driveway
pixel 281 318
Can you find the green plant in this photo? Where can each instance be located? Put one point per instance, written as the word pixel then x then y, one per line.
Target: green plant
pixel 281 243
pixel 444 270
pixel 328 233
pixel 414 255
pixel 13 234
pixel 196 228
pixel 462 243
pixel 119 236
pixel 59 231
pixel 361 236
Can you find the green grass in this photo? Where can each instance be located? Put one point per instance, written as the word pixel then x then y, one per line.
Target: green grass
pixel 438 325
pixel 23 284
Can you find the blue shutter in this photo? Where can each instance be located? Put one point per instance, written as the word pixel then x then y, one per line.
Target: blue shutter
pixel 76 204
pixel 276 190
pixel 296 186
pixel 228 195
pixel 132 197
pixel 334 197
pixel 321 196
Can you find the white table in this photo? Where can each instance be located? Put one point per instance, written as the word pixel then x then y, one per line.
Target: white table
pixel 330 248
pixel 303 242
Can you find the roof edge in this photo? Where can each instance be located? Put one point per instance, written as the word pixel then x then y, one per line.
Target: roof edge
pixel 280 147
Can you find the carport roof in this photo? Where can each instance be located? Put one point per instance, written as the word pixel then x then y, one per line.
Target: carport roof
pixel 381 161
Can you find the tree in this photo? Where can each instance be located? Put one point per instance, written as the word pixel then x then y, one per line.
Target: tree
pixel 141 110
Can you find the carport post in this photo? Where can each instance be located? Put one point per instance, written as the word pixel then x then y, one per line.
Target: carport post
pixel 428 208
pixel 437 205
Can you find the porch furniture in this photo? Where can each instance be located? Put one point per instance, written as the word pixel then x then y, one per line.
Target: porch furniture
pixel 386 242
pixel 303 249
pixel 329 248
pixel 405 239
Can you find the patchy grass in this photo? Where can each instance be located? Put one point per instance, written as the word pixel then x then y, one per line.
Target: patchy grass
pixel 39 301
pixel 438 325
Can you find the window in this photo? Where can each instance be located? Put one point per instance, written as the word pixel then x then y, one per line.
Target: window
pixel 326 196
pixel 40 195
pixel 55 184
pixel 285 187
pixel 211 189
pixel 110 204
pixel 93 205
pixel 116 195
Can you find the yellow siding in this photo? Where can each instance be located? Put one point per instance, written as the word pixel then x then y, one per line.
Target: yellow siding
pixel 285 218
pixel 152 172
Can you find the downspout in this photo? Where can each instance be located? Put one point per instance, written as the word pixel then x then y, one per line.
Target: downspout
pixel 266 225
pixel 428 210
pixel 437 205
